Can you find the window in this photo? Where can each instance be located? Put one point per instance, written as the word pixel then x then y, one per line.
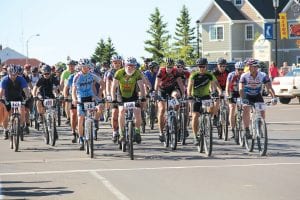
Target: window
pixel 216 33
pixel 238 2
pixel 249 32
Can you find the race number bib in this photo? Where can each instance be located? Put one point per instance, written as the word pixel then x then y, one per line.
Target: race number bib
pixel 260 106
pixel 15 104
pixel 129 105
pixel 49 103
pixel 207 103
pixel 88 105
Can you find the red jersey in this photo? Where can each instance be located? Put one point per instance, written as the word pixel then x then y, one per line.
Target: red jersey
pixel 167 79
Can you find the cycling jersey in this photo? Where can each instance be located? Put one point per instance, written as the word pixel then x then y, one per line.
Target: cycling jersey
pixel 221 77
pixel 109 75
pixel 45 86
pixel 128 84
pixel 65 75
pixel 253 86
pixel 202 82
pixel 233 80
pixel 34 79
pixel 168 80
pixel 70 83
pixel 151 77
pixel 84 84
pixel 13 89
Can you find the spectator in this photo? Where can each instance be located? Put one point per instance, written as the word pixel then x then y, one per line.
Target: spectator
pixel 284 69
pixel 273 71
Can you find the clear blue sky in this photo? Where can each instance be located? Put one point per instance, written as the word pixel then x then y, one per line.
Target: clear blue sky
pixel 73 27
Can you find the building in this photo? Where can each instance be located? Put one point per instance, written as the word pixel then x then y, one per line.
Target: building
pixel 234 29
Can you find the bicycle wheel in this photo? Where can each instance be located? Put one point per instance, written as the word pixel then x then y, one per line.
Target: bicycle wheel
pixel 130 140
pixel 173 132
pixel 91 139
pixel 143 122
pixel 152 116
pixel 207 136
pixel 46 131
pixel 262 137
pixel 52 132
pixel 124 141
pixel 200 136
pixel 167 135
pixel 86 138
pixel 58 113
pixel 249 142
pixel 182 128
pixel 16 133
pixel 224 121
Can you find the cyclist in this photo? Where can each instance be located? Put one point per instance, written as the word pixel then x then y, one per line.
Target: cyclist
pixel 127 80
pixel 145 66
pixel 44 89
pixel 11 89
pixel 116 62
pixel 221 74
pixel 232 92
pixel 250 87
pixel 168 81
pixel 83 91
pixel 63 80
pixel 201 84
pixel 34 76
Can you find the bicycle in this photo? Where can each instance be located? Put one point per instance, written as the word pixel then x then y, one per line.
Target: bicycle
pixel 183 118
pixel 238 134
pixel 223 119
pixel 258 129
pixel 129 128
pixel 34 115
pixel 151 113
pixel 49 121
pixel 15 133
pixel 205 138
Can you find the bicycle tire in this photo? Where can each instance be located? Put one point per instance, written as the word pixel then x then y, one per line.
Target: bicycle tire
pixel 262 137
pixel 86 138
pixel 173 132
pixel 53 132
pixel 46 132
pixel 183 128
pixel 16 135
pixel 130 140
pixel 249 142
pixel 152 116
pixel 207 136
pixel 143 122
pixel 225 124
pixel 91 139
pixel 167 136
pixel 58 114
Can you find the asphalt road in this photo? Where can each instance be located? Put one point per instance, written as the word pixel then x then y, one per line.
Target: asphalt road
pixel 40 171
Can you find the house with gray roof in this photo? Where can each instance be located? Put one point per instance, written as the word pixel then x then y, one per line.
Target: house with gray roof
pixel 8 53
pixel 234 30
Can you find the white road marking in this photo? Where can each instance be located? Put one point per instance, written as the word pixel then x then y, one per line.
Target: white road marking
pixel 143 168
pixel 284 122
pixel 109 186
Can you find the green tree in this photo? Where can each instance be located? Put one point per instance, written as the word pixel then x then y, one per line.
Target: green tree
pixel 159 36
pixel 185 37
pixel 104 51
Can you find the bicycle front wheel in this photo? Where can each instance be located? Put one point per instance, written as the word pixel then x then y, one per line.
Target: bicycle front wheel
pixel 224 122
pixel 46 131
pixel 16 133
pixel 262 137
pixel 91 139
pixel 207 135
pixel 173 132
pixel 52 132
pixel 152 116
pixel 130 140
pixel 182 128
pixel 249 141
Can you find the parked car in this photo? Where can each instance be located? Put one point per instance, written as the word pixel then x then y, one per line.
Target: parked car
pixel 213 65
pixel 288 86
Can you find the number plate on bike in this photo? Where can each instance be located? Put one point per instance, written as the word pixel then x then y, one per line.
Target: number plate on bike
pixel 15 104
pixel 172 103
pixel 238 101
pixel 207 103
pixel 49 102
pixel 88 105
pixel 128 105
pixel 260 106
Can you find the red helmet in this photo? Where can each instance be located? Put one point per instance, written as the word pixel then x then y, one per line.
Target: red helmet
pixel 27 66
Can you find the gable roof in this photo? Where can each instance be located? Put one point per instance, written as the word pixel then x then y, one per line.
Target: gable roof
pixel 265 7
pixel 232 12
pixel 8 53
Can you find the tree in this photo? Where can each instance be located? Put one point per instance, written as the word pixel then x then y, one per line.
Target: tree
pixel 104 51
pixel 159 34
pixel 185 37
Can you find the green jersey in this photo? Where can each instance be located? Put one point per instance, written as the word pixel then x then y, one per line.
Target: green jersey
pixel 202 83
pixel 127 84
pixel 65 76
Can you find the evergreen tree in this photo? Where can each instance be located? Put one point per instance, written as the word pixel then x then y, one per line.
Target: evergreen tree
pixel 159 36
pixel 104 51
pixel 109 50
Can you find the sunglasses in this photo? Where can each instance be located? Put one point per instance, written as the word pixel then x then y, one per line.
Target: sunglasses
pixel 240 69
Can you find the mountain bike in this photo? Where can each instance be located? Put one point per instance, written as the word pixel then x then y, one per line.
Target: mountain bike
pixel 15 132
pixel 171 123
pixel 49 121
pixel 182 119
pixel 238 134
pixel 258 129
pixel 151 113
pixel 223 122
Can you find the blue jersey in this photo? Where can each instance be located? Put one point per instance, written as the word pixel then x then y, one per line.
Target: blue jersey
pixel 84 84
pixel 13 89
pixel 70 83
pixel 151 77
pixel 253 86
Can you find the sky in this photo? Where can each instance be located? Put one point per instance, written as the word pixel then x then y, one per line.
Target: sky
pixel 74 27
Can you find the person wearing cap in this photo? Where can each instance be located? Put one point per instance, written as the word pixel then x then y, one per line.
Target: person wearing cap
pixel 11 89
pixel 201 84
pixel 63 81
pixel 232 92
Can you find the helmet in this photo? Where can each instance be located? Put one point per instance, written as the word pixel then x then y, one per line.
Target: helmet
pixel 34 69
pixel 46 69
pixel 239 65
pixel 116 57
pixel 71 62
pixel 201 61
pixel 12 69
pixel 20 69
pixel 180 63
pixel 84 62
pixel 251 62
pixel 153 64
pixel 221 61
pixel 147 60
pixel 169 61
pixel 27 66
pixel 131 61
pixel 59 68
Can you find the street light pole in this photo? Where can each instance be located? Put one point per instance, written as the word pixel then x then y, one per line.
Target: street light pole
pixel 198 39
pixel 27 41
pixel 276 5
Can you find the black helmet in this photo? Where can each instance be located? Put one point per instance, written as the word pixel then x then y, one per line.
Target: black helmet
pixel 147 60
pixel 169 61
pixel 153 64
pixel 46 69
pixel 180 63
pixel 201 61
pixel 221 61
pixel 71 62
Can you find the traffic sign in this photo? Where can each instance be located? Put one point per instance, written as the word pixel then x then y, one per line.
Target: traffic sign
pixel 268 32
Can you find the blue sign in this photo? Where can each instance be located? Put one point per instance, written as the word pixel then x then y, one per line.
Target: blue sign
pixel 268 32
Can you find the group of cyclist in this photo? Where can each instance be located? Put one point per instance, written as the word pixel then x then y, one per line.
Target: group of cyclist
pixel 127 81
